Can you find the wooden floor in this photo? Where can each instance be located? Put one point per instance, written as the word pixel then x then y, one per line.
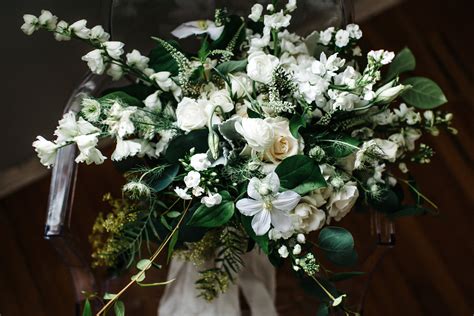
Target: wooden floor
pixel 430 271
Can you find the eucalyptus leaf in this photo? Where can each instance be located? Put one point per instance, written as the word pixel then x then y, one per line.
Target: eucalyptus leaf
pixel 139 277
pixel 301 174
pixel 109 296
pixel 335 239
pixel 424 93
pixel 403 61
pixel 214 216
pixel 173 214
pixel 144 264
pixel 232 66
pixel 119 308
pixel 165 179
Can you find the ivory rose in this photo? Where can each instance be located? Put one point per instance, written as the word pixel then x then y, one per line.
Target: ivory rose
pixel 258 133
pixel 191 115
pixel 284 143
pixel 260 67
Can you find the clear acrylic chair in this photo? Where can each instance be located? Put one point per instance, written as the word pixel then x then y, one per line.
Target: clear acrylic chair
pixel 133 21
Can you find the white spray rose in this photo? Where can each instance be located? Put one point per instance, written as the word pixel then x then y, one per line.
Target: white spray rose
pixel 191 115
pixel 258 133
pixel 284 143
pixel 200 162
pixel 342 201
pixel 192 179
pixel 261 66
pixel 46 150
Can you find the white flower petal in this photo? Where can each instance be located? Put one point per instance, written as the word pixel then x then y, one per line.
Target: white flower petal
pixel 261 223
pixel 286 201
pixel 280 220
pixel 249 207
pixel 253 189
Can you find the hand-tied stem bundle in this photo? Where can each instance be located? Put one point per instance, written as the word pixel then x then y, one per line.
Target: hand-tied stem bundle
pixel 258 139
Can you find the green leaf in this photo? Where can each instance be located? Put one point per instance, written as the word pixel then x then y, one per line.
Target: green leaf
pixel 165 179
pixel 344 276
pixel 296 122
pixel 173 214
pixel 386 202
pixel 404 61
pixel 87 311
pixel 424 94
pixel 214 216
pixel 137 90
pixel 161 59
pixel 172 244
pixel 323 310
pixel 301 174
pixel 340 147
pixel 232 66
pixel 262 241
pixel 412 210
pixel 122 97
pixel 338 245
pixel 181 145
pixel 144 264
pixel 231 27
pixel 109 296
pixel 344 259
pixel 139 277
pixel 119 308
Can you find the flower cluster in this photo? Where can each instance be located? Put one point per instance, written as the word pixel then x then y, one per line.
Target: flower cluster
pixel 262 130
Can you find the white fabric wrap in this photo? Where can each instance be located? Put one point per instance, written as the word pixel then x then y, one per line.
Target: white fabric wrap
pixel 256 280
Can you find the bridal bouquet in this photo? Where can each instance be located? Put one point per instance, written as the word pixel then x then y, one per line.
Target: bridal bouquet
pixel 259 139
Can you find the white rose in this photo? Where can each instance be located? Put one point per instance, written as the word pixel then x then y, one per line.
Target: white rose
pixel 257 10
pixel 258 133
pixel 260 66
pixel 310 218
pixel 46 150
pixel 212 199
pixel 222 99
pixel 192 179
pixel 200 162
pixel 284 143
pixel 191 115
pixel 342 201
pixel 95 62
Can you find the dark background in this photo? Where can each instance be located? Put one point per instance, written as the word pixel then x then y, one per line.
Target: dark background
pixel 429 272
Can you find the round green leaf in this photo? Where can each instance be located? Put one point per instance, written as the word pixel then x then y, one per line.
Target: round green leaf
pixel 165 179
pixel 335 239
pixel 424 94
pixel 144 264
pixel 119 308
pixel 214 216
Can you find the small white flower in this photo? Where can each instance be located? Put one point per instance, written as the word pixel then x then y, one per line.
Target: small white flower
pixel 192 179
pixel 283 251
pixel 270 7
pixel 212 199
pixel 258 133
pixel 136 189
pixel 48 20
pixel 296 249
pixel 403 167
pixel 95 61
pixel 291 5
pixel 257 10
pixel 381 56
pixel 342 38
pixel 114 49
pixel 296 268
pixel 115 72
pixel 354 31
pixel 198 191
pixel 268 206
pixel 137 60
pixel 126 148
pixel 342 201
pixel 326 36
pixel 91 109
pixel 46 151
pixel 165 138
pixel 301 238
pixel 198 27
pixel 119 120
pixel 163 80
pixel 79 29
pixel 260 66
pixel 99 34
pixel 191 115
pixel 69 128
pixel 200 162
pixel 429 117
pixel 88 153
pixel 153 102
pixel 183 193
pixel 31 24
pixel 62 32
pixel 277 20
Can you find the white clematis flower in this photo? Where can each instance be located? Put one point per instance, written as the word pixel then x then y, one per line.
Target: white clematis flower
pixel 46 150
pixel 268 206
pixel 198 27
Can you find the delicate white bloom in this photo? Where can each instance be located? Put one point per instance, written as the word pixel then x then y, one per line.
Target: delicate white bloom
pixel 198 27
pixel 165 138
pixel 342 38
pixel 136 189
pixel 385 148
pixel 277 20
pixel 403 167
pixel 153 102
pixel 48 20
pixel 357 51
pixel 260 66
pixel 354 31
pixel 342 201
pixel 115 72
pixel 126 148
pixel 137 60
pixel 88 153
pixel 114 49
pixel 191 115
pixel 408 114
pixel 270 7
pixel 258 133
pixel 326 36
pixel 222 99
pixel 383 118
pixel 257 10
pixel 62 31
pixel 309 216
pixel 387 93
pixel 198 191
pixel 200 162
pixel 381 56
pixel 99 34
pixel 301 238
pixel 283 251
pixel 69 127
pixel 291 5
pixel 212 199
pixel 46 151
pixel 327 66
pixel 192 179
pixel 296 249
pixel 411 136
pixel 183 193
pixel 119 120
pixel 31 24
pixel 91 109
pixel 95 61
pixel 268 206
pixel 284 143
pixel 344 100
pixel 163 80
pixel 147 149
pixel 240 85
pixel 79 29
pixel 429 117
